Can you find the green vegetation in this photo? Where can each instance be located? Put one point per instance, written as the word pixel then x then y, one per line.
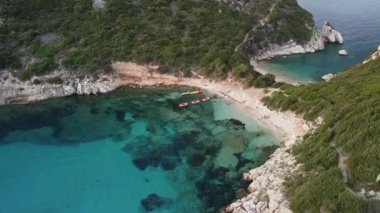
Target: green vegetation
pixel 286 21
pixel 179 35
pixel 350 108
pixel 55 80
pixel 39 68
pixel 289 20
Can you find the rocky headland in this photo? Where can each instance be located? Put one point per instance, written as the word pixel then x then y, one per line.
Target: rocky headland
pixel 330 34
pixel 317 42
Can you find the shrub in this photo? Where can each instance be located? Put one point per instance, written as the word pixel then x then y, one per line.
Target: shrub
pixel 37 69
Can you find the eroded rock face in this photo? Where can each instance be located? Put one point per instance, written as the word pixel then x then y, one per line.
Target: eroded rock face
pixel 330 35
pixel 13 90
pixel 266 193
pixel 375 55
pixel 316 43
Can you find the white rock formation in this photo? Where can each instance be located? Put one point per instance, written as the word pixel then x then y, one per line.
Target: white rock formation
pixel 267 183
pixel 330 35
pixel 316 43
pixel 375 55
pixel 343 52
pixel 14 91
pixel 328 77
pixel 98 4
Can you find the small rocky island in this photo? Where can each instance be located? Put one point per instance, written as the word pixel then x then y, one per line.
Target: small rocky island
pixel 330 34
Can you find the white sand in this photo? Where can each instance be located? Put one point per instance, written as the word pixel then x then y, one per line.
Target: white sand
pixel 286 126
pixel 263 69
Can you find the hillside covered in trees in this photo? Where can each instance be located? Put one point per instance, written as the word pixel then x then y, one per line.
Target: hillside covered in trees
pixel 341 158
pixel 40 36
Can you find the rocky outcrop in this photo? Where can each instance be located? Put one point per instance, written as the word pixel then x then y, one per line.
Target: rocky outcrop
pixel 316 43
pixel 14 91
pixel 375 55
pixel 330 35
pixel 328 77
pixel 98 4
pixel 343 52
pixel 266 193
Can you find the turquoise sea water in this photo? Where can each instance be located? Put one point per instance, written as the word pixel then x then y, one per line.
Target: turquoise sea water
pixel 359 23
pixel 129 151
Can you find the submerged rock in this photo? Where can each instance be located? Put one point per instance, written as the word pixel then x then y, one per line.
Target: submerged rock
pixel 182 141
pixel 141 163
pixel 168 164
pixel 120 115
pixel 236 123
pixel 152 202
pixel 196 160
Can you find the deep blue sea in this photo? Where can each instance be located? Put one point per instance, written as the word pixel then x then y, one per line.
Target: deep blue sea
pixel 359 23
pixel 132 150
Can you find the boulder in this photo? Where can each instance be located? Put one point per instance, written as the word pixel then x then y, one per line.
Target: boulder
pixel 328 77
pixel 343 52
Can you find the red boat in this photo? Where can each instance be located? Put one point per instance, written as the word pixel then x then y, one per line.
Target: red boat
pixel 183 104
pixel 195 101
pixel 205 99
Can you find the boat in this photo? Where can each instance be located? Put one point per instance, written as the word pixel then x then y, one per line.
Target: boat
pixel 195 101
pixel 195 92
pixel 192 92
pixel 183 104
pixel 205 99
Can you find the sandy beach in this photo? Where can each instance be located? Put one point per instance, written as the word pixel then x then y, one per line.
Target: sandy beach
pixel 286 126
pixel 261 68
pixel 267 180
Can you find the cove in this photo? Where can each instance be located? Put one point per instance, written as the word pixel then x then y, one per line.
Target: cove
pixel 358 21
pixel 132 150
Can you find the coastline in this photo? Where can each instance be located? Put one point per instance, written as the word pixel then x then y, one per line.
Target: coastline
pixel 263 69
pixel 287 127
pixel 266 191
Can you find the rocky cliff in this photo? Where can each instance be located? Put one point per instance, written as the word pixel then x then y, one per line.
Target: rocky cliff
pixel 316 43
pixel 331 35
pixel 375 55
pixel 13 90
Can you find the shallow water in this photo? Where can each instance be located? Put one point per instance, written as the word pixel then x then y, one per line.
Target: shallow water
pixel 109 153
pixel 359 23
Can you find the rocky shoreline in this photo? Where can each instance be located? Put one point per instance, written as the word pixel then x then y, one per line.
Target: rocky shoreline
pixel 317 43
pixel 266 191
pixel 14 91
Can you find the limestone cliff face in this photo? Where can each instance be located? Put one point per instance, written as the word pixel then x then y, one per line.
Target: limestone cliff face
pixel 331 35
pixel 14 91
pixel 317 42
pixel 375 55
pixel 291 47
pixel 283 29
